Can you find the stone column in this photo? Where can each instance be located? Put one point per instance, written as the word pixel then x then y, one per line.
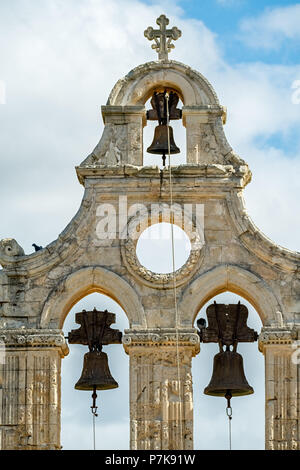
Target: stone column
pixel 30 376
pixel 124 127
pixel 161 392
pixel 200 124
pixel 282 387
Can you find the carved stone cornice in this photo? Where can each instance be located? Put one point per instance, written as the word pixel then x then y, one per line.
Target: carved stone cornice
pixel 122 113
pixel 34 338
pixel 279 336
pixel 205 171
pixel 204 111
pixel 155 338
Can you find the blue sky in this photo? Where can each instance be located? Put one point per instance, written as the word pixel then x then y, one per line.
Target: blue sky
pixel 60 61
pixel 225 18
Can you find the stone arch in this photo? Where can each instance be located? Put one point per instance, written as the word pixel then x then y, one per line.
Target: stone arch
pixel 125 116
pixel 85 281
pixel 138 85
pixel 234 279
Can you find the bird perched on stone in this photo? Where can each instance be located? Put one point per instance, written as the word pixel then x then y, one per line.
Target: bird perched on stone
pixel 36 247
pixel 201 323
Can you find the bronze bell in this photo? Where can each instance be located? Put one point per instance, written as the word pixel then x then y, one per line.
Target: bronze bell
pixel 96 374
pixel 159 145
pixel 228 376
pixel 95 331
pixel 227 326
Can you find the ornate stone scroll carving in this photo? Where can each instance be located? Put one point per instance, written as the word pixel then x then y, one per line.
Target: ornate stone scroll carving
pixel 9 249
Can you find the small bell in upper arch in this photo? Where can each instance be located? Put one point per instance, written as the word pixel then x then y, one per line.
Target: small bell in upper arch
pixel 164 109
pixel 159 145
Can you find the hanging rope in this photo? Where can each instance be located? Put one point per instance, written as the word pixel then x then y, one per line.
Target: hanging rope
pixel 174 279
pixel 228 397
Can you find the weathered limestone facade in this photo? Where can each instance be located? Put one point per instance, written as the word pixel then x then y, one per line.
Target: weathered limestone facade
pixel 37 291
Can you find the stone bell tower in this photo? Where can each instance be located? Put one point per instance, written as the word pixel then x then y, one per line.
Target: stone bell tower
pixel 228 253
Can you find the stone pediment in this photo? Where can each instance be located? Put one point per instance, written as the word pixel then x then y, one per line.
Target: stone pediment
pixel 124 118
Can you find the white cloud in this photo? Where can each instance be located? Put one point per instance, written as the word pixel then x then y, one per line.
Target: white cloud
pixel 269 29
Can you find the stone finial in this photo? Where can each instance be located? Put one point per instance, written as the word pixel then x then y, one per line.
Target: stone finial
pixel 162 37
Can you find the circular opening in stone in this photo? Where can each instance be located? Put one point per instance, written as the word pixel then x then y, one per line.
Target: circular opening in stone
pixel 154 248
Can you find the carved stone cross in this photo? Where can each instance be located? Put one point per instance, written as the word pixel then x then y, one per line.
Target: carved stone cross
pixel 162 37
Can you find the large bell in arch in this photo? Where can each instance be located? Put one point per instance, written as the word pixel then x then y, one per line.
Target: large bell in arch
pixel 227 326
pixel 228 376
pixel 95 373
pixel 160 145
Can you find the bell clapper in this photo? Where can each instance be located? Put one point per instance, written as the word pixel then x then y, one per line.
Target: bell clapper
pixel 228 397
pixel 94 407
pixel 95 415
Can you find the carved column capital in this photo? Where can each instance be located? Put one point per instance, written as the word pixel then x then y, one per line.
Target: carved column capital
pixel 34 338
pixel 162 338
pixel 279 336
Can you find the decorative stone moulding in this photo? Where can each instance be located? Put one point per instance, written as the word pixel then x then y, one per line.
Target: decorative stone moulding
pixel 195 233
pixel 278 336
pixel 162 337
pixel 34 338
pixel 139 84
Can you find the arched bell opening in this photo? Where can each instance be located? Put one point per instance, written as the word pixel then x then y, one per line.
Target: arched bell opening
pixel 112 423
pixel 86 281
pixel 211 426
pixel 155 135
